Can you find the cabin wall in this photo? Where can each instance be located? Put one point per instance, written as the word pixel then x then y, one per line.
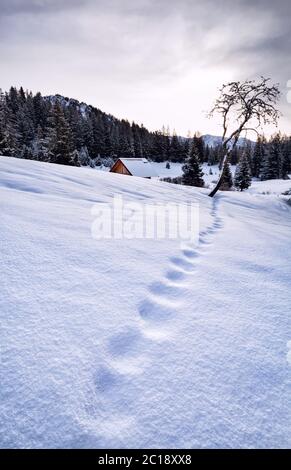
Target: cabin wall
pixel 120 168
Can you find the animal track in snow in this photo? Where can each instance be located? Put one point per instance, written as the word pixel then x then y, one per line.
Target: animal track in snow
pixel 175 275
pixel 104 379
pixel 124 343
pixel 190 253
pixel 165 289
pixel 171 288
pixel 182 263
pixel 128 352
pixel 154 311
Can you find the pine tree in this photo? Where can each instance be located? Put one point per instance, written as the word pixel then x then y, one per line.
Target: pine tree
pixel 40 146
pixel 286 158
pixel 124 147
pixel 2 124
pixel 99 135
pixel 74 158
pixel 60 140
pixel 176 149
pixel 207 155
pixel 88 135
pixel 199 143
pixel 167 138
pixel 192 171
pixel 272 163
pixel 77 127
pixel 25 126
pixel 247 152
pixel 227 182
pixel 9 142
pixel 158 150
pixel 98 160
pixel 84 157
pixel 258 157
pixel 26 153
pixel 138 153
pixel 243 179
pixel 234 156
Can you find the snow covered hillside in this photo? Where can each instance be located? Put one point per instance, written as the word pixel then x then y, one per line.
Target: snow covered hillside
pixel 210 173
pixel 141 343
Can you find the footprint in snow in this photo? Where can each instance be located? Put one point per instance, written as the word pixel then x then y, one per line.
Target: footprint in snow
pixel 104 379
pixel 204 241
pixel 182 263
pixel 189 253
pixel 217 224
pixel 125 352
pixel 153 311
pixel 175 275
pixel 124 344
pixel 165 290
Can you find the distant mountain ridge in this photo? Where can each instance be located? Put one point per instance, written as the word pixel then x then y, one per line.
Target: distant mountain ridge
pixel 213 141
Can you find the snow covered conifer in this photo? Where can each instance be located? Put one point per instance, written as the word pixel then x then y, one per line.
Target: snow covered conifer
pixel 234 156
pixel 39 146
pixel 227 181
pixel 84 157
pixel 286 158
pixel 176 149
pixel 258 157
pixel 74 158
pixel 60 139
pixel 271 166
pixel 98 160
pixel 243 179
pixel 192 171
pixel 199 143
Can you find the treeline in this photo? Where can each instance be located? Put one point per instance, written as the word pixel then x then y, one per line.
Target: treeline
pixel 264 160
pixel 270 159
pixel 61 130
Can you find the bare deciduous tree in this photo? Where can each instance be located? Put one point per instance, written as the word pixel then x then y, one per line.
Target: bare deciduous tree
pixel 244 106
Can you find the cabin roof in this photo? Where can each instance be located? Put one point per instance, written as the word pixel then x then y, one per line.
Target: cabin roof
pixel 139 167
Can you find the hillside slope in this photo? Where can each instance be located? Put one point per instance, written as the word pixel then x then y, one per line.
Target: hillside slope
pixel 141 343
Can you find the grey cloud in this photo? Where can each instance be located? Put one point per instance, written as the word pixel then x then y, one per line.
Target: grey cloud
pixel 135 44
pixel 8 7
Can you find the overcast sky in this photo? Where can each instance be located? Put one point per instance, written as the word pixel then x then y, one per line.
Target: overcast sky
pixel 153 61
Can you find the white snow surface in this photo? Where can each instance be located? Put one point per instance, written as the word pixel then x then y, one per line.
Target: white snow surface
pixel 141 343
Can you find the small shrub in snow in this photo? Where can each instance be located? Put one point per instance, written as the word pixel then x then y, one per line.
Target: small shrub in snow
pixel 108 162
pixel 287 193
pixel 176 180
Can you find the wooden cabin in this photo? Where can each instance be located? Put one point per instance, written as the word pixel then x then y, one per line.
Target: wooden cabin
pixel 134 167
